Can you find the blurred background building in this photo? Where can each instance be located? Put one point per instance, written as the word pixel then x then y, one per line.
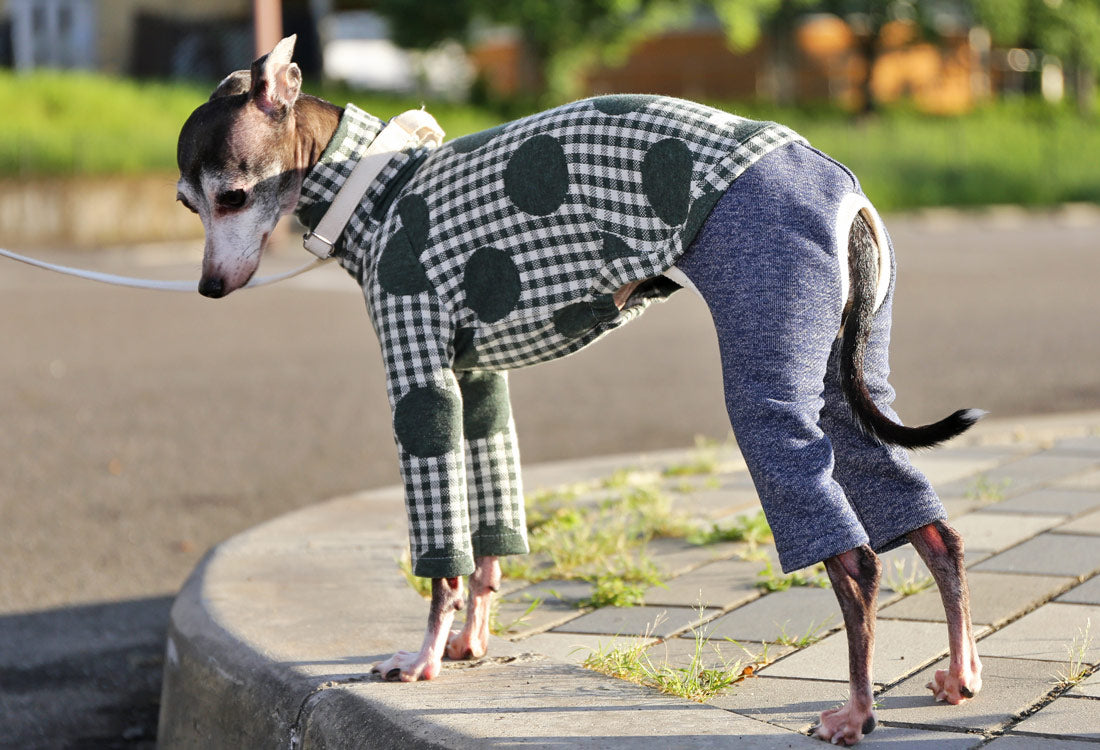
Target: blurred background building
pixel 939 55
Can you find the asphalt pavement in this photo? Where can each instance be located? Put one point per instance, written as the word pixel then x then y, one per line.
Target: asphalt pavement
pixel 141 428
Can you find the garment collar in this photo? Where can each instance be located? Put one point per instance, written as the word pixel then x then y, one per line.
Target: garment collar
pixel 355 132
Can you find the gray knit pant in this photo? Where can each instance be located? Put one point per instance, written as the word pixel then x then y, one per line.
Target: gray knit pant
pixel 766 262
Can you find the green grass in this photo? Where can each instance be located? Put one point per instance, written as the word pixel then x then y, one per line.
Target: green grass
pixel 1021 151
pixel 696 681
pixel 813 577
pixel 1076 667
pixel 58 123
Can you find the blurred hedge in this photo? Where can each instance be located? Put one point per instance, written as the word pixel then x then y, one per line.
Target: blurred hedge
pixel 1022 152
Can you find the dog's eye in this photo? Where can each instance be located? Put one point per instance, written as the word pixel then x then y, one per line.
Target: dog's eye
pixel 186 205
pixel 232 198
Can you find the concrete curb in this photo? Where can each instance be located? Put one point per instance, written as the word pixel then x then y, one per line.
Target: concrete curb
pixel 267 648
pixel 273 636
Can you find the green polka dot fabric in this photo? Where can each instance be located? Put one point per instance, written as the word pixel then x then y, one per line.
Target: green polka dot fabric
pixel 502 249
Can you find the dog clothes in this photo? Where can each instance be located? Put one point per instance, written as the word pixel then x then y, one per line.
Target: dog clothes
pixel 770 263
pixel 503 249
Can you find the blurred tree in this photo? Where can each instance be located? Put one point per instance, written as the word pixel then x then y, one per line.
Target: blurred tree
pixel 1066 29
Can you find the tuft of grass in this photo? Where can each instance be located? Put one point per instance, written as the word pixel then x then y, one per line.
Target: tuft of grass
pixel 753 529
pixel 985 490
pixel 899 578
pixel 612 591
pixel 1076 667
pixel 695 682
pixel 776 581
pixel 814 633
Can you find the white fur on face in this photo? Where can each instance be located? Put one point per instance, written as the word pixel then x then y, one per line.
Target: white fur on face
pixel 235 239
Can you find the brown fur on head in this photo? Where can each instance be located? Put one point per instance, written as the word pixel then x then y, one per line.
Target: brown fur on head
pixel 242 156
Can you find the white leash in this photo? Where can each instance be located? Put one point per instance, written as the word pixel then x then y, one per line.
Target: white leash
pixel 162 286
pixel 414 125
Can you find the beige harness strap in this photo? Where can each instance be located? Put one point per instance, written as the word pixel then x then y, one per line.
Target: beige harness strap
pixel 413 128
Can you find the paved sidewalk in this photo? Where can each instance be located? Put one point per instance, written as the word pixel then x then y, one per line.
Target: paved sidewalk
pixel 273 636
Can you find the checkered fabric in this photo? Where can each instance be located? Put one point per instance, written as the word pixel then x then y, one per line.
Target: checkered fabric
pixel 502 249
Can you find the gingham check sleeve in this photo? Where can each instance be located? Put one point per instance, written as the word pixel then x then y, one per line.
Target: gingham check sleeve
pixel 415 335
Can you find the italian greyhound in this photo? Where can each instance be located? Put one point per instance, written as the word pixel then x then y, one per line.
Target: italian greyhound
pixel 251 154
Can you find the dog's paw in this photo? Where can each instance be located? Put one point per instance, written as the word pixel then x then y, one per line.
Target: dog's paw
pixel 844 725
pixel 464 644
pixel 954 688
pixel 408 666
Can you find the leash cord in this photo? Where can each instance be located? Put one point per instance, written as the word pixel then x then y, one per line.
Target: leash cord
pixel 163 286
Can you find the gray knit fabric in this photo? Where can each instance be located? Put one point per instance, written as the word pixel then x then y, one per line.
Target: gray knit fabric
pixel 766 263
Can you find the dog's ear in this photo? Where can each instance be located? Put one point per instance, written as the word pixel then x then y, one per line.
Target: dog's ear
pixel 237 82
pixel 276 81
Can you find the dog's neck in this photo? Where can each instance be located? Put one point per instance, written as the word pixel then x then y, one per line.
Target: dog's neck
pixel 315 122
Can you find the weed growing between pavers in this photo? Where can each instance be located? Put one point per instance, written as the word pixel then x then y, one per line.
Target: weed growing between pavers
pixel 598 532
pixel 753 529
pixel 696 681
pixel 422 586
pixel 986 490
pixel 1076 668
pixel 814 576
pixel 898 577
pixel 814 633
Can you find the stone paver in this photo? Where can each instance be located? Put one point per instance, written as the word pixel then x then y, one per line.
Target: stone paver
pixel 1089 687
pixel 944 467
pixel 793 613
pixel 674 557
pixel 994 598
pixel 1046 634
pixel 900 648
pixel 1086 524
pixel 558 603
pixel 1085 593
pixel 1049 554
pixel 1049 501
pixel 1071 718
pixel 794 704
pixel 1088 481
pixel 1087 446
pixel 1010 742
pixel 986 533
pixel 574 648
pixel 724 585
pixel 1038 469
pixel 1009 686
pixel 659 622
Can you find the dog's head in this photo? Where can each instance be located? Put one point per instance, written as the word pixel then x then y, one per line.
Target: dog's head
pixel 238 166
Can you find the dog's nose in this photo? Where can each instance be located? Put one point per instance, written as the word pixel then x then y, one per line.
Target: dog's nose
pixel 212 286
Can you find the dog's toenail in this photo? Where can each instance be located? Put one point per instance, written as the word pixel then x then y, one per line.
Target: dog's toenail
pixel 869 725
pixel 393 674
pixel 966 692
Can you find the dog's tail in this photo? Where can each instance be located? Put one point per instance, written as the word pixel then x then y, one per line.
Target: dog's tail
pixel 863 264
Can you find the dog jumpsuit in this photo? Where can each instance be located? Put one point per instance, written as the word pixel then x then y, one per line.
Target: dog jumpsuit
pixel 504 248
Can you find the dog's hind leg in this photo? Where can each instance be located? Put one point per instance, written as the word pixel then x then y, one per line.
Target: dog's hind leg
pixel 409 666
pixel 855 575
pixel 473 640
pixel 941 548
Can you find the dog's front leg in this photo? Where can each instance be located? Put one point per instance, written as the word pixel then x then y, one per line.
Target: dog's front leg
pixel 941 548
pixel 409 666
pixel 855 575
pixel 473 640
